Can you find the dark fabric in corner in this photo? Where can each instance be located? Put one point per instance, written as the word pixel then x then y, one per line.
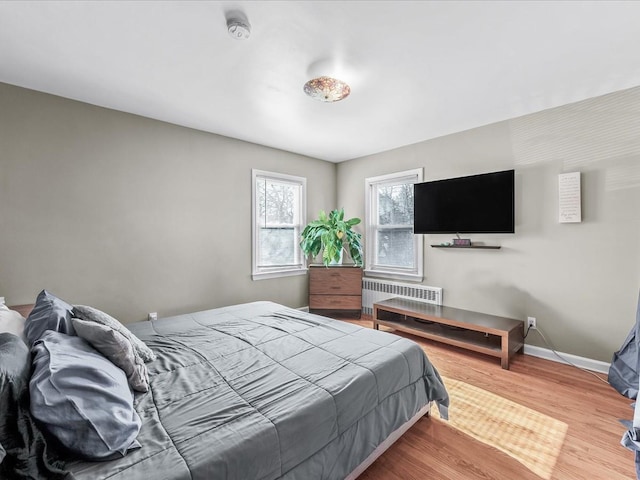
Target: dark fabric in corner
pixel 624 376
pixel 624 371
pixel 28 453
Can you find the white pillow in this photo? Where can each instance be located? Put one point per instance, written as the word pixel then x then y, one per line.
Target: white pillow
pixel 11 322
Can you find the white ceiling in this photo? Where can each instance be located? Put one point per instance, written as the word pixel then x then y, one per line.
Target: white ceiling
pixel 417 69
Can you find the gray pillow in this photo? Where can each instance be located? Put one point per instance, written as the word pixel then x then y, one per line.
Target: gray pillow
pixel 49 313
pixel 117 348
pixel 94 315
pixel 81 398
pixel 27 453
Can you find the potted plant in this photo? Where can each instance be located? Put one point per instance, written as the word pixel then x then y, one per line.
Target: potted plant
pixel 332 234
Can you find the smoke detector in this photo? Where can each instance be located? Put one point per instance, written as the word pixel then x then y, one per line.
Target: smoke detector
pixel 238 28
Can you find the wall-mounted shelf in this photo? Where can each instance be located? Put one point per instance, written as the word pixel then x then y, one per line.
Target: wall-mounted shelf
pixel 486 247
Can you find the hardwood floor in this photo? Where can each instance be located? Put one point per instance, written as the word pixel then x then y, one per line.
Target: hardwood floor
pixel 433 450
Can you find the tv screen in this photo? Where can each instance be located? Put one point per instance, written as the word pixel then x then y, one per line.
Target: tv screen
pixel 475 204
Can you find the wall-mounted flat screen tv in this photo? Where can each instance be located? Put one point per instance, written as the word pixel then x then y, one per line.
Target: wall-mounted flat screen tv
pixel 474 204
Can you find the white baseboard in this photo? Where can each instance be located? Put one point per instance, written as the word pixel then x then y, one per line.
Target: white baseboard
pixel 304 309
pixel 582 362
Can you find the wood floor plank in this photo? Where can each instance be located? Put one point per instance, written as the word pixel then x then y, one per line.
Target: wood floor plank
pixel 432 449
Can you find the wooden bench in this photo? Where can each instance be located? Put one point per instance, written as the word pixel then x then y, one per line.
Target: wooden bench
pixel 490 334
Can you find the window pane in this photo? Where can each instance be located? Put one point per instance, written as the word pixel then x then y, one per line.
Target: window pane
pixel 395 247
pixel 395 204
pixel 280 199
pixel 276 202
pixel 277 246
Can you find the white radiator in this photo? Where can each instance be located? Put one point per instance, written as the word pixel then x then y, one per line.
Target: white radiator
pixel 377 290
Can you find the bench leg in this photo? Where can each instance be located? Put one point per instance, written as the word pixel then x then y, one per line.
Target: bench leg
pixel 504 358
pixel 505 361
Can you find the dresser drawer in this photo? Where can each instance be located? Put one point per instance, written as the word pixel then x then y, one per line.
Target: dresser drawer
pixel 335 302
pixel 335 281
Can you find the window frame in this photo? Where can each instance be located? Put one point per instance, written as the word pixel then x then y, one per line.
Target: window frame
pixel 263 273
pixel 415 273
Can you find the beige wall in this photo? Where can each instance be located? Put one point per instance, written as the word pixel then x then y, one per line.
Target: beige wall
pixel 133 215
pixel 581 281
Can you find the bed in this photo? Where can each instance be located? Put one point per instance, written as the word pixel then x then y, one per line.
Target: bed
pixel 262 391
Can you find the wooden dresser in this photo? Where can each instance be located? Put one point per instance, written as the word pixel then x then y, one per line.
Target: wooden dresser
pixel 335 290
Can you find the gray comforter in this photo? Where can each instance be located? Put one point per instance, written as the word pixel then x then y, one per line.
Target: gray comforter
pixel 262 391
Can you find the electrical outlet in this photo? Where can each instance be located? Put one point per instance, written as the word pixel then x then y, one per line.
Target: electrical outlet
pixel 531 323
pixel 153 316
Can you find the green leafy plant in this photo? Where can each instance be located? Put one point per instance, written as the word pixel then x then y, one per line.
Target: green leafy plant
pixel 331 234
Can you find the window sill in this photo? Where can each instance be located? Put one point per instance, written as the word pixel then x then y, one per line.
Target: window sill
pixel 278 274
pixel 410 277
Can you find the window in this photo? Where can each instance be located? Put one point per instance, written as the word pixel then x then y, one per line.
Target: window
pixel 279 214
pixel 393 250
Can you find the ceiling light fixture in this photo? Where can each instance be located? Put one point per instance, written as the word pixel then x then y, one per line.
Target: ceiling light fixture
pixel 327 89
pixel 238 28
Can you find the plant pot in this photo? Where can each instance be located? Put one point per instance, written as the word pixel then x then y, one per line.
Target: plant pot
pixel 339 261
